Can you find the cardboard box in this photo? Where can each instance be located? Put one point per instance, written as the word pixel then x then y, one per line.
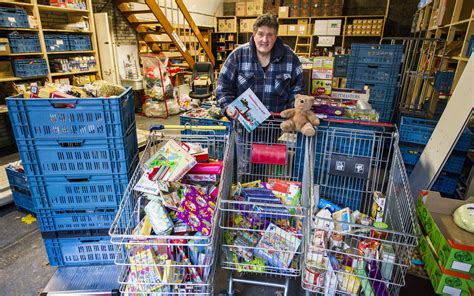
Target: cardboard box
pixel 227 25
pixel 294 11
pixel 6 70
pixel 453 245
pixel 240 8
pixel 4 47
pixel 334 27
pixel 283 30
pixel 246 25
pixel 302 29
pixel 326 41
pixel 305 11
pixel 446 282
pixel 292 30
pixel 283 11
pixel 320 27
pixel 258 7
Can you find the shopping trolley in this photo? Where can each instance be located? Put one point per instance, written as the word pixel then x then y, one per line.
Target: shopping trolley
pixel 362 229
pixel 265 237
pixel 174 264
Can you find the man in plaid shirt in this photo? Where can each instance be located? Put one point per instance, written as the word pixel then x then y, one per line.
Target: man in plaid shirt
pixel 264 64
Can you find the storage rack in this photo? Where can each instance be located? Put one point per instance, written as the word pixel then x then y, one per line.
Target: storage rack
pixel 343 39
pixel 36 9
pixel 452 21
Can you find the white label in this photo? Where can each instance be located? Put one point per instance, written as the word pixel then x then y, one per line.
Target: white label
pixel 59 42
pixel 3 47
pixel 11 19
pixel 451 291
pixel 461 266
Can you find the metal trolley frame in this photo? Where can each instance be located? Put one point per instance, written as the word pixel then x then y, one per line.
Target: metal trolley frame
pixel 344 257
pixel 286 245
pixel 126 242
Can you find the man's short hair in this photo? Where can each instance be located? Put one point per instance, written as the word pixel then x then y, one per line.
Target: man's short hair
pixel 268 20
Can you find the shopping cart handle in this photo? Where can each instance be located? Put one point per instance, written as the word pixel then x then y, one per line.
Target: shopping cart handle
pixel 159 127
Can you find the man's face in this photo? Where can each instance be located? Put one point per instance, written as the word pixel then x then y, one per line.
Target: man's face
pixel 265 38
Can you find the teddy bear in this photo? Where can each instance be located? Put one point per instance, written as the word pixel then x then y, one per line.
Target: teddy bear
pixel 300 118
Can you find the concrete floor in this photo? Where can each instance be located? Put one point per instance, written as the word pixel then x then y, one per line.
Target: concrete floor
pixel 24 268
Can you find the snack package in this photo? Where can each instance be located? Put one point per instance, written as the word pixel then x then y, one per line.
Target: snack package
pixel 102 88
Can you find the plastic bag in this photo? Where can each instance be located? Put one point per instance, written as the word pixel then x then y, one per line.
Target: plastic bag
pixel 158 109
pixel 102 88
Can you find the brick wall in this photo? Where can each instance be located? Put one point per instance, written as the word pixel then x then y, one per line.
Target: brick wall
pixel 123 32
pixel 49 19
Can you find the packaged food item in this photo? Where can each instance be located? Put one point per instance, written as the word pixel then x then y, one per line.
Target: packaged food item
pixel 343 216
pixel 378 206
pixel 388 261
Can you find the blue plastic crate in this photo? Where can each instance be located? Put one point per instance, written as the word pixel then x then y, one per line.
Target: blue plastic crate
pixel 92 218
pixel 445 184
pixel 376 54
pixel 411 154
pixel 56 42
pixel 24 42
pixel 80 251
pixel 11 17
pixel 443 81
pixel 22 199
pixel 74 158
pixel 75 233
pixel 16 178
pixel 30 67
pixel 418 131
pixel 80 42
pixel 470 47
pixel 62 119
pixel 379 92
pixel 385 111
pixel 82 192
pixel 373 74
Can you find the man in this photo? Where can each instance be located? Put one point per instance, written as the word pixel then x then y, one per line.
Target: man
pixel 264 64
pixel 275 75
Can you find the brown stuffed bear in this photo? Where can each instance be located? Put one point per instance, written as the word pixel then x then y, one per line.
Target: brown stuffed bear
pixel 300 118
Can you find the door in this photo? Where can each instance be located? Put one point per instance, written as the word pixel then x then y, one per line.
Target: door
pixel 105 43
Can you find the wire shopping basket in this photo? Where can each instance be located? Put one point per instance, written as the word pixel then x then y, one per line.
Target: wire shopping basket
pixel 362 229
pixel 181 261
pixel 264 235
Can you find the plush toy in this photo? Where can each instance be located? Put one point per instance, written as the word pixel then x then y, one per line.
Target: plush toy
pixel 300 118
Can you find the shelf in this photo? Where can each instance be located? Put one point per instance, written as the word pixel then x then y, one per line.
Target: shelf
pixel 72 73
pixel 363 36
pixel 466 21
pixel 16 3
pixel 61 9
pixel 66 31
pixel 20 78
pixel 24 54
pixel 19 29
pixel 70 52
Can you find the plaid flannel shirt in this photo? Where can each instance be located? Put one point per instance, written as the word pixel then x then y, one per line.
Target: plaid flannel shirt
pixel 276 88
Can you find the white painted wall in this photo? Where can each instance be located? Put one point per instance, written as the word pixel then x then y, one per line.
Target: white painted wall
pixel 203 12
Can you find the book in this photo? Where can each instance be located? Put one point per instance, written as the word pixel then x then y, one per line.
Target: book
pixel 248 109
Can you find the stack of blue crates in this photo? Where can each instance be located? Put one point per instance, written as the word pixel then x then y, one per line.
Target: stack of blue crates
pixel 443 81
pixel 414 135
pixel 376 66
pixel 78 156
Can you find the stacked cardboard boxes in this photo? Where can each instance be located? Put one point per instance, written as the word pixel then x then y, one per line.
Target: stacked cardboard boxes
pixel 365 27
pixel 249 8
pixel 226 25
pixel 446 249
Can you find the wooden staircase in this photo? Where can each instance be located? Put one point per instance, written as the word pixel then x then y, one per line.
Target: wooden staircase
pixel 167 26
